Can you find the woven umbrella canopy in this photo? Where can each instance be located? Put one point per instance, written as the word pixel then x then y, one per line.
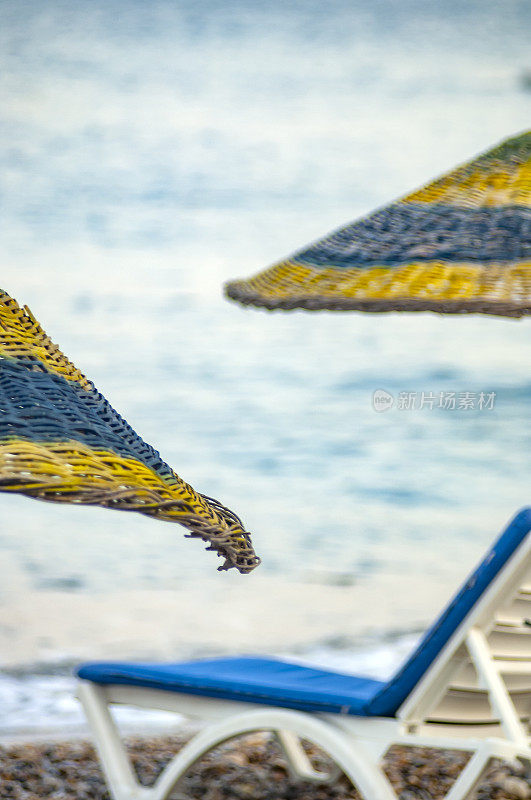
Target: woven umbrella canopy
pixel 60 440
pixel 461 244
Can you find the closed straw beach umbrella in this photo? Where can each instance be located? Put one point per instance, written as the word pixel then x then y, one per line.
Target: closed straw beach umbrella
pixel 60 440
pixel 459 245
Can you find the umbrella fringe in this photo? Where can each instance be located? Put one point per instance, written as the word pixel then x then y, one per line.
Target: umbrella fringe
pixel 459 245
pixel 62 442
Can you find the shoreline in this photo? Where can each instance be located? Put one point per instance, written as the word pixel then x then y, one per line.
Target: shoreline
pixel 39 700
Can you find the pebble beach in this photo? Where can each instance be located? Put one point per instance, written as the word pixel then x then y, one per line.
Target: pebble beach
pixel 251 768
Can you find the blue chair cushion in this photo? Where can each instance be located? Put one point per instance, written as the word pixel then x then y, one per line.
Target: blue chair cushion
pixel 274 682
pixel 254 680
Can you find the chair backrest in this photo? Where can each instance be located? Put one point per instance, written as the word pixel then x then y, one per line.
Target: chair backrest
pixel 398 689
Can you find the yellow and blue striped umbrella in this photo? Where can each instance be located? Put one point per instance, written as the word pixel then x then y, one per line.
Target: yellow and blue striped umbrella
pixel 461 244
pixel 60 440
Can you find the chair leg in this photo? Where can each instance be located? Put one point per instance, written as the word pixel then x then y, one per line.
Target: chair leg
pixel 298 762
pixel 349 755
pixel 121 779
pixel 470 777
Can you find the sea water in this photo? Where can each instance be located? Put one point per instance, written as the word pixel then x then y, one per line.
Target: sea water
pixel 151 151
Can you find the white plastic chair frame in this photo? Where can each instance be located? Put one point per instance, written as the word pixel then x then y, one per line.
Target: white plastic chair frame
pixel 475 697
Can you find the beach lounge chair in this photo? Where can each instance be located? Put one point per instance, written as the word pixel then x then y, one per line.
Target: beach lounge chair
pixel 466 687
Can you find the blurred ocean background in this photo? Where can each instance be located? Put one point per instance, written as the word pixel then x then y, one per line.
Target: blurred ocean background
pixel 151 151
